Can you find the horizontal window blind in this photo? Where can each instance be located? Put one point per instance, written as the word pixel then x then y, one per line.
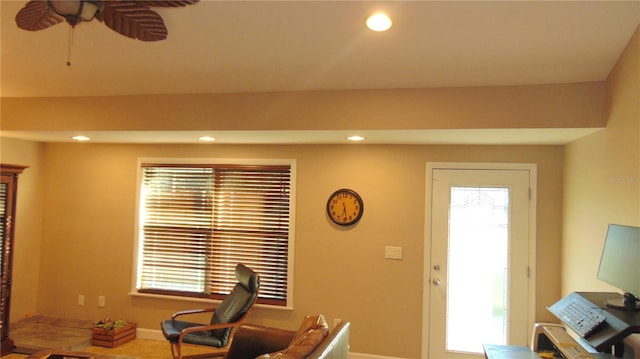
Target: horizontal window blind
pixel 198 222
pixel 176 222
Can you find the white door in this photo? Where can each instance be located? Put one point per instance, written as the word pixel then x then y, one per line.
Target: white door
pixel 479 270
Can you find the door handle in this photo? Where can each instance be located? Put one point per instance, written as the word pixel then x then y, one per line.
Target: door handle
pixel 436 281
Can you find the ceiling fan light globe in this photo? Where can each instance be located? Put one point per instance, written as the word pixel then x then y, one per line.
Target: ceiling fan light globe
pixel 75 11
pixel 65 7
pixel 90 10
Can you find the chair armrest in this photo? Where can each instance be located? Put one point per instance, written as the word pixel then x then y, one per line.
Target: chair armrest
pixel 250 341
pixel 193 311
pixel 336 345
pixel 207 327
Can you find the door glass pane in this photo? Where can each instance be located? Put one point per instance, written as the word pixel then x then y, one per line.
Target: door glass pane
pixel 477 268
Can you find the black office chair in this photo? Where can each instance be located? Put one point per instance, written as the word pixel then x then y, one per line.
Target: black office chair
pixel 229 314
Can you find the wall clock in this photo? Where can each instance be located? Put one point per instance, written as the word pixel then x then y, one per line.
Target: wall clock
pixel 345 207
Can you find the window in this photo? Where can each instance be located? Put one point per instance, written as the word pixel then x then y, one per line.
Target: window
pixel 198 221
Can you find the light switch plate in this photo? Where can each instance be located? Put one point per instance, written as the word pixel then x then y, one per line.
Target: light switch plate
pixel 391 252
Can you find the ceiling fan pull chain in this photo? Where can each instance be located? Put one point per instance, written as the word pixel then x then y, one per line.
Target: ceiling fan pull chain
pixel 69 43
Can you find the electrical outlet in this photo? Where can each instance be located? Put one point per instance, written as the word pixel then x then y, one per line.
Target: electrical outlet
pixel 392 252
pixel 101 301
pixel 80 299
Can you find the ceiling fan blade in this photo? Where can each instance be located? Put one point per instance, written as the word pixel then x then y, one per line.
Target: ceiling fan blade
pixel 134 20
pixel 37 15
pixel 167 3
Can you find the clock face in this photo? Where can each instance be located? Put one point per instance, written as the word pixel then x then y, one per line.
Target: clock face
pixel 345 207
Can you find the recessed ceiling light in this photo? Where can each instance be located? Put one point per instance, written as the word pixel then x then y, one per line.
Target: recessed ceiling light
pixel 379 22
pixel 80 138
pixel 355 138
pixel 207 138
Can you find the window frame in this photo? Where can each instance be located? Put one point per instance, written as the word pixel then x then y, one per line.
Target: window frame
pixel 208 162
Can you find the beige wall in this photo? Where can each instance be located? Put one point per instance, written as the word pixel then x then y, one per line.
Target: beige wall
pixel 89 208
pixel 602 180
pixel 602 177
pixel 28 230
pixel 580 105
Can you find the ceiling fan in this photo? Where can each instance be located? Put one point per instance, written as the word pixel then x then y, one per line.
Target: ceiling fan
pixel 130 18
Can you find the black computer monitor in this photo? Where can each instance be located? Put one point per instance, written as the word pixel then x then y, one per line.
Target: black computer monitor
pixel 620 265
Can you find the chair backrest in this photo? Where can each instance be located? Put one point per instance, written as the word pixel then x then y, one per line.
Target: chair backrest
pixel 238 302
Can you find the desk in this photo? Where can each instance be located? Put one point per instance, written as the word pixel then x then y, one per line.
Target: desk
pixel 492 351
pixel 620 323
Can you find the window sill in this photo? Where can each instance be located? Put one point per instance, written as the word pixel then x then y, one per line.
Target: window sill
pixel 199 300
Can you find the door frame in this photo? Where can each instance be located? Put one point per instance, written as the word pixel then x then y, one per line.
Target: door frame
pixel 426 289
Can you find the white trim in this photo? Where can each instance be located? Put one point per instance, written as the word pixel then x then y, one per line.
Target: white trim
pixel 292 163
pixel 222 161
pixel 369 356
pixel 533 186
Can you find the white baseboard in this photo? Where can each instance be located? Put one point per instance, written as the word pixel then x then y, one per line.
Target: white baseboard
pixel 368 356
pixel 154 334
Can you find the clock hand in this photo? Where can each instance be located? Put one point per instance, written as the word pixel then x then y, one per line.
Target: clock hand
pixel 344 209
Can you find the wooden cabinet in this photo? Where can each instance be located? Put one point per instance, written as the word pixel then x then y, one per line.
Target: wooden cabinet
pixel 8 191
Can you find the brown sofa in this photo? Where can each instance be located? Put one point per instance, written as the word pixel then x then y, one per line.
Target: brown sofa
pixel 312 341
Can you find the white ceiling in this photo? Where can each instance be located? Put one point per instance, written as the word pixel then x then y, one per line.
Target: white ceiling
pixel 256 46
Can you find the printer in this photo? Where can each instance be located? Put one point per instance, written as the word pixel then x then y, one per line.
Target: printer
pixel 588 330
pixel 551 340
pixel 601 333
